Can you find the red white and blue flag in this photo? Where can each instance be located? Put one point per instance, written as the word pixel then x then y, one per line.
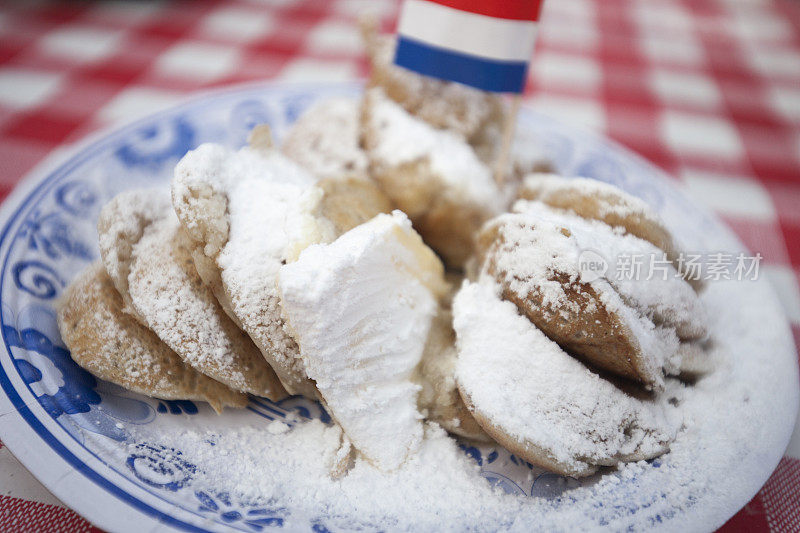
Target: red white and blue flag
pixel 486 44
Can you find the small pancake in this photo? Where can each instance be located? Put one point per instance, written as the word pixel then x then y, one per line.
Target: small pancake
pixel 663 295
pixel 477 117
pixel 117 235
pixel 112 345
pixel 249 212
pixel 596 200
pixel 166 294
pixel 325 139
pixel 462 110
pixel 536 264
pixel 432 175
pixel 539 402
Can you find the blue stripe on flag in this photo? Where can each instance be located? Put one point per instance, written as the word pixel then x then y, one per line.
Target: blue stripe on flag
pixel 478 72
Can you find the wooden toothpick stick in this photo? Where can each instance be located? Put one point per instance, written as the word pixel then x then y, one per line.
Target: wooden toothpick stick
pixel 508 138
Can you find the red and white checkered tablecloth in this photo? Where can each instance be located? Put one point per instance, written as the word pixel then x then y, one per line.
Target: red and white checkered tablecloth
pixel 709 90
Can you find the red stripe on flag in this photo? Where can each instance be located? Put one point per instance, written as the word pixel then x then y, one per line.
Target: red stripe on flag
pixel 505 9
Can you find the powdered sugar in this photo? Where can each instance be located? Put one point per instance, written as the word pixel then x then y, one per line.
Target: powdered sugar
pixel 268 221
pixel 276 427
pixel 224 168
pixel 360 309
pixel 401 138
pixel 121 224
pixel 537 247
pixel 184 314
pixel 112 345
pixel 268 203
pixel 212 169
pixel 536 393
pixel 600 201
pixel 534 252
pixel 546 186
pixel 436 489
pixel 440 488
pixel 661 293
pixel 172 299
pixel 325 139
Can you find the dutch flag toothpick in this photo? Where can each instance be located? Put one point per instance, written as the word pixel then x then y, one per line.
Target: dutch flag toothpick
pixel 486 44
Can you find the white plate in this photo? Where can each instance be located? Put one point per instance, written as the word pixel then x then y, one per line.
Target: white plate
pixel 72 431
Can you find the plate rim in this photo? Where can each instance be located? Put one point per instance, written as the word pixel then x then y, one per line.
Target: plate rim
pixel 19 421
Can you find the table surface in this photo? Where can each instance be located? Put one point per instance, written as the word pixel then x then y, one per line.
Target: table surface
pixel 709 90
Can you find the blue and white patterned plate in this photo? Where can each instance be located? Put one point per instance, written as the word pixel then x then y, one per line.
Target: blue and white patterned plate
pixel 74 432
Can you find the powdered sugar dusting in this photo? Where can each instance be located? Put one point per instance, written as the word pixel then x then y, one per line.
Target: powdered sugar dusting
pixel 662 296
pixel 184 314
pixel 266 220
pixel 112 345
pixel 401 138
pixel 546 186
pixel 536 247
pixel 325 139
pixel 120 225
pixel 536 393
pixel 224 169
pixel 435 489
pixel 269 203
pixel 440 488
pixel 360 309
pixel 533 253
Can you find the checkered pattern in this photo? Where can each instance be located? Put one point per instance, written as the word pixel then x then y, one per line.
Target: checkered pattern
pixel 709 90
